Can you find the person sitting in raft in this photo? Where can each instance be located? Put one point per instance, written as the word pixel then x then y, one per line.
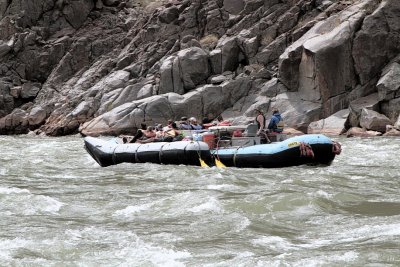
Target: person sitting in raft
pixel 158 128
pixel 169 123
pixel 194 125
pixel 149 133
pixel 276 123
pixel 169 135
pixel 222 122
pixel 218 122
pixel 174 133
pixel 184 124
pixel 138 134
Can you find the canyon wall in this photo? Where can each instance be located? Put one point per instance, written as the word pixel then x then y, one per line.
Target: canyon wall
pixel 101 67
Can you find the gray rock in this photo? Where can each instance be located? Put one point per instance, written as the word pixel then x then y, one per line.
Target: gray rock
pixel 234 6
pixel 215 58
pixel 30 90
pixel 4 49
pixel 229 53
pixel 397 123
pixel 369 102
pixel 377 41
pixel 391 108
pixel 37 116
pixel 117 79
pixel 169 15
pixel 193 66
pixel 111 2
pixel 146 91
pixel 333 125
pixel 389 83
pixel 16 91
pixel 76 12
pixel 372 120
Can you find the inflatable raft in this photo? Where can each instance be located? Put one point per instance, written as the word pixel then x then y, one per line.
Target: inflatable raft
pixel 298 150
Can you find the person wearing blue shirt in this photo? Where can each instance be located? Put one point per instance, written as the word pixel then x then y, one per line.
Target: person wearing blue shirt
pixel 276 122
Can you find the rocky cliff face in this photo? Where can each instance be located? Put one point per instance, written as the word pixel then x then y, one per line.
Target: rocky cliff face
pixel 104 66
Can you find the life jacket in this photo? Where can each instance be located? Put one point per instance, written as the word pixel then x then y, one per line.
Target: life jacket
pixel 280 126
pixel 258 123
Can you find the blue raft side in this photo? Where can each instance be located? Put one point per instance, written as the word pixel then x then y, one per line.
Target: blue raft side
pixel 275 147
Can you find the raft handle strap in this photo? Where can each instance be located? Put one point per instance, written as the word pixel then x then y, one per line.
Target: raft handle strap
pixel 336 148
pixel 306 150
pixel 234 156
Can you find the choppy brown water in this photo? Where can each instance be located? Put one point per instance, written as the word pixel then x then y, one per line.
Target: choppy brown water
pixel 59 208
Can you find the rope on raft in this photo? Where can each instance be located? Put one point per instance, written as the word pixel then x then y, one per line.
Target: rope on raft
pixel 336 148
pixel 306 150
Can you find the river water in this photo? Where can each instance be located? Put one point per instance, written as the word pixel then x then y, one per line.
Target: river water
pixel 59 208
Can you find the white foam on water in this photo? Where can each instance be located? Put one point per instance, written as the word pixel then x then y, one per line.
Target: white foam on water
pixel 211 204
pixel 174 205
pixel 22 201
pixel 13 190
pixel 244 258
pixel 370 231
pixel 142 254
pixel 353 234
pixel 276 243
pixel 7 246
pixel 333 258
pixel 223 187
pixel 320 193
pixel 129 249
pixel 241 224
pixel 133 210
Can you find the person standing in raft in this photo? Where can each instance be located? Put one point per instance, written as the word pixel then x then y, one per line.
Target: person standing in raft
pixel 260 121
pixel 276 123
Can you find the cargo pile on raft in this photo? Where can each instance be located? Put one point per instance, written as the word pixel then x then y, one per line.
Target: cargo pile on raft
pixel 224 145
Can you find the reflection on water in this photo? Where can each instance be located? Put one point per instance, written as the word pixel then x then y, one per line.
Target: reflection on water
pixel 59 208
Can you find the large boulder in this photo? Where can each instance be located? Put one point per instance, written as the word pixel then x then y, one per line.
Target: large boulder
pixel 229 53
pixel 170 76
pixel 397 123
pixel 391 108
pixel 15 123
pixel 30 90
pixel 389 83
pixel 333 125
pixel 168 15
pixel 76 12
pixel 194 68
pixel 372 120
pixel 37 116
pixel 4 48
pixel 234 6
pixel 378 40
pixel 296 112
pixel 334 36
pixel 369 102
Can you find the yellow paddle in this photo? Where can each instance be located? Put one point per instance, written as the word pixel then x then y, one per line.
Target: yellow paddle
pixel 219 164
pixel 203 164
